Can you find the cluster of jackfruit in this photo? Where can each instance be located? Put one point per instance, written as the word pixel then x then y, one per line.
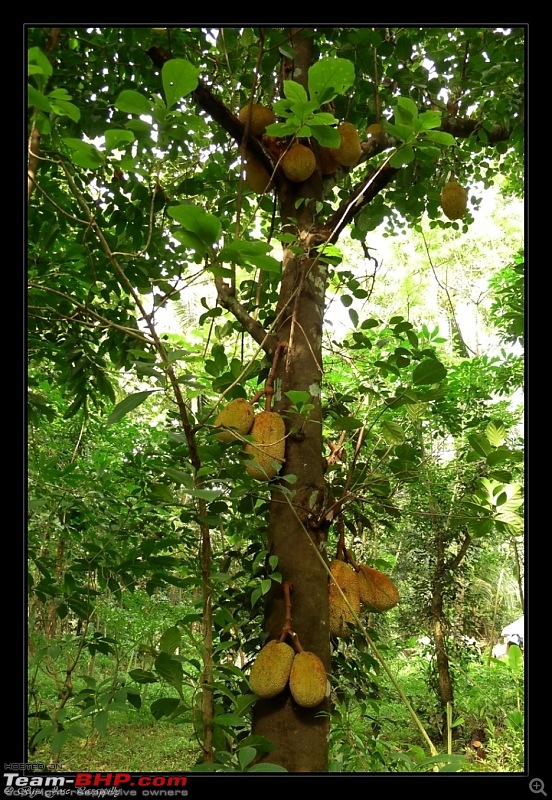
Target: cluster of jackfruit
pixel 454 200
pixel 277 665
pixel 298 162
pixel 265 450
pixel 366 587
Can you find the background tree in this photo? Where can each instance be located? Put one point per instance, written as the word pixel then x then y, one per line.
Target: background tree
pixel 137 161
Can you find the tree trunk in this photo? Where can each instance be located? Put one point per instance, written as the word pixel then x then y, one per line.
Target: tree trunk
pixel 445 690
pixel 300 735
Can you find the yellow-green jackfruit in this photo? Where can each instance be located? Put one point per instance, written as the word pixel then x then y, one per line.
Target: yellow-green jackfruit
pixel 454 200
pixel 238 415
pixel 271 669
pixel 377 590
pixel 308 680
pixel 299 163
pixel 261 117
pixel 266 450
pixel 349 151
pixel 341 617
pixel 256 176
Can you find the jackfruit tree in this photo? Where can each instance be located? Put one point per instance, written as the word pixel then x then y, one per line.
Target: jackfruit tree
pixel 234 160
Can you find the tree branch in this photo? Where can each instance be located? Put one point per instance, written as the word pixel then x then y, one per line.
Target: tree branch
pixel 236 129
pixel 265 340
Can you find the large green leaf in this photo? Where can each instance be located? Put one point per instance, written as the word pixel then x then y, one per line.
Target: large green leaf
pixel 179 77
pixel 170 640
pixel 170 670
pixel 329 77
pixel 133 102
pixel 84 154
pixel 115 137
pixel 164 707
pixel 429 371
pixel 207 227
pixel 127 405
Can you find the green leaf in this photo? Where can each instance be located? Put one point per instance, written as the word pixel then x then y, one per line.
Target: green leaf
pixel 480 444
pixel 164 707
pixel 116 137
pixel 39 65
pixel 441 137
pixel 406 110
pixel 265 766
pixel 246 756
pixel 84 154
pixel 400 131
pixel 100 722
pixel 496 433
pixel 247 253
pixel 170 670
pixel 430 119
pixel 404 155
pixel 132 102
pixel 62 108
pixel 179 79
pixel 329 77
pixel 346 424
pixel 179 476
pixel 127 405
pixel 297 397
pixel 230 721
pixel 200 223
pixel 36 99
pixel 326 136
pixel 58 741
pixel 428 372
pixel 170 640
pixel 205 494
pixel 295 92
pixel 281 129
pixel 392 433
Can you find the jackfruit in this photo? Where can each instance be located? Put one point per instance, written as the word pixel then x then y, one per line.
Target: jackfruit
pixel 328 161
pixel 377 591
pixel 267 449
pixel 349 151
pixel 298 163
pixel 238 414
pixel 454 200
pixel 261 116
pixel 271 669
pixel 256 176
pixel 340 613
pixel 308 680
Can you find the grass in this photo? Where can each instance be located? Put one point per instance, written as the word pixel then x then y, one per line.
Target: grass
pixel 373 734
pixel 131 744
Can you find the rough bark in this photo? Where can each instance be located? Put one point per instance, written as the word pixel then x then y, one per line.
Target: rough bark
pixel 299 734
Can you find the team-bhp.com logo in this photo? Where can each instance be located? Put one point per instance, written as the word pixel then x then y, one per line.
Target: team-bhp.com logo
pixel 95 784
